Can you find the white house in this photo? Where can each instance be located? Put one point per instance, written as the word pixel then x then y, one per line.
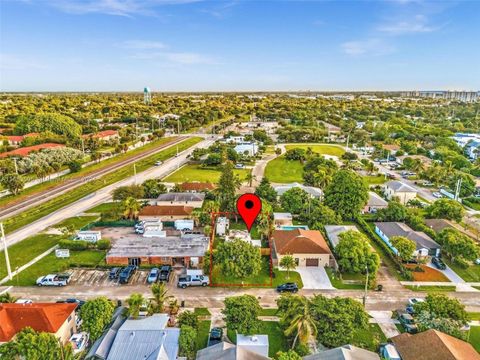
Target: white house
pixel 400 190
pixel 247 148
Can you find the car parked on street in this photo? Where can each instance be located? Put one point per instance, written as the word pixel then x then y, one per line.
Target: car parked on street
pixel 439 264
pixel 53 280
pixel 153 276
pixel 408 322
pixel 413 301
pixel 287 287
pixel 437 195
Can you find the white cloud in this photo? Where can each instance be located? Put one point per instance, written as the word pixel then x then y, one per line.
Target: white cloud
pixel 372 47
pixel 413 25
pixel 143 44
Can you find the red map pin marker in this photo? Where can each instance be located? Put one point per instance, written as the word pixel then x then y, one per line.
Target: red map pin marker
pixel 249 206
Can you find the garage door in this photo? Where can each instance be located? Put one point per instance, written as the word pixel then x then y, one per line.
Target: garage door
pixel 311 262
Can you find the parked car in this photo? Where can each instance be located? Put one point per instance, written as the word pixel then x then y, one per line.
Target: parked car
pixel 79 302
pixel 439 264
pixel 437 195
pixel 192 280
pixel 125 275
pixel 408 322
pixel 79 342
pixel 413 301
pixel 165 272
pixel 52 280
pixel 287 287
pixel 152 276
pixel 113 274
pixel 410 309
pixel 24 301
pixel 215 337
pixel 239 166
pixel 158 163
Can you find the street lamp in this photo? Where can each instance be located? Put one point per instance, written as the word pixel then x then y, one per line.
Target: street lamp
pixel 366 286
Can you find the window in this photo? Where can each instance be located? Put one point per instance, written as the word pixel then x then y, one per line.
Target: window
pixel 71 331
pixel 69 318
pixel 297 261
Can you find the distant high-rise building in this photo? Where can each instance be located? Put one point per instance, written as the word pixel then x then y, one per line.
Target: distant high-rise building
pixel 465 96
pixel 147 95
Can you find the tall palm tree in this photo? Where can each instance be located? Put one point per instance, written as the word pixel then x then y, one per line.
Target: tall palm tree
pixel 135 301
pixel 301 323
pixel 288 262
pixel 131 208
pixel 159 292
pixel 250 178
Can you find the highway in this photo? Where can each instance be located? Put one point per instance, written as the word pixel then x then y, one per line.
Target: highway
pixel 101 196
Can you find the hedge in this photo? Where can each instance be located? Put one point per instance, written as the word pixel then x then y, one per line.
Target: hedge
pixel 118 223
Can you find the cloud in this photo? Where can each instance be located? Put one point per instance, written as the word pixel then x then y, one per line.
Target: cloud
pixel 416 24
pixel 373 47
pixel 143 44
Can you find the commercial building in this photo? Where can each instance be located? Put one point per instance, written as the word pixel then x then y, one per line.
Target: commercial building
pixel 194 200
pixel 165 213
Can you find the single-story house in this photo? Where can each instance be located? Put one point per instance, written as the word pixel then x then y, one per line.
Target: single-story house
pixel 194 200
pixel 247 148
pixel 145 338
pixel 333 232
pixel 24 151
pixel 312 191
pixel 400 190
pixel 252 347
pixel 308 247
pixel 375 203
pixel 282 219
pixel 433 345
pixel 57 319
pixel 15 140
pixel 187 250
pixel 391 148
pixel 426 246
pixel 105 135
pixel 165 213
pixel 195 187
pixel 345 352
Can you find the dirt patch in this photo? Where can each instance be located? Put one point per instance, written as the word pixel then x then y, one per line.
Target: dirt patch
pixel 428 274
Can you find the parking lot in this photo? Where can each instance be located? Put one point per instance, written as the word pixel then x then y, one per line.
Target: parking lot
pixel 100 278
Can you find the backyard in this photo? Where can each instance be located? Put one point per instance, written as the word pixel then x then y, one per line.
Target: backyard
pixel 189 173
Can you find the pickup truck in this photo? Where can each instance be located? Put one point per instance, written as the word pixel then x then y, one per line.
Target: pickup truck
pixel 53 280
pixel 192 280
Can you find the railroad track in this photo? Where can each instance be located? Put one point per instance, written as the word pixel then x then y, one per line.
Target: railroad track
pixel 38 198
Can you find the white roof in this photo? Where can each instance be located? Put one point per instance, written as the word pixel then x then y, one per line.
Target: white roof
pixel 284 215
pixel 252 340
pixel 399 186
pixel 313 191
pixel 333 232
pixel 375 200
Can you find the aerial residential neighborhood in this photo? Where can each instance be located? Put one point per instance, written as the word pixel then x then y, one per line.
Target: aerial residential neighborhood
pixel 242 180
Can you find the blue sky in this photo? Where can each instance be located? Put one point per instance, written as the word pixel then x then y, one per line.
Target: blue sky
pixel 124 45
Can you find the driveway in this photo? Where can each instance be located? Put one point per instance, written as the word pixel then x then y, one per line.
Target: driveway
pixel 315 278
pixel 449 273
pixel 385 322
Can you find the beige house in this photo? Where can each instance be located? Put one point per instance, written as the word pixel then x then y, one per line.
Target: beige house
pixel 194 200
pixel 54 318
pixel 400 190
pixel 308 247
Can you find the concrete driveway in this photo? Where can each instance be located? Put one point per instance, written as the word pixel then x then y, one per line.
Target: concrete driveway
pixel 449 273
pixel 315 278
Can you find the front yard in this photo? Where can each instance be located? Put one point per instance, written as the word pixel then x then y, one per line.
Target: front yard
pixel 470 274
pixel 190 173
pixel 428 274
pixel 339 284
pixel 474 337
pixel 369 338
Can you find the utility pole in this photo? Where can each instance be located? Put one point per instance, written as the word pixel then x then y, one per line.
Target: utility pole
pixel 366 286
pixel 458 188
pixel 83 146
pixel 348 139
pixel 178 126
pixel 16 167
pixel 7 259
pixel 135 172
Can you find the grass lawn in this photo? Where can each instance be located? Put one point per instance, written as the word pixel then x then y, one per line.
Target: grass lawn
pixel 470 274
pixel 260 280
pixel 428 274
pixel 324 149
pixel 280 170
pixel 400 328
pixel 77 193
pixel 338 284
pixel 375 180
pixel 431 288
pixel 369 338
pixel 51 264
pixel 101 208
pixel 26 250
pixel 203 330
pixel 197 173
pixel 202 312
pixel 474 338
pixel 77 222
pixel 268 312
pixel 276 339
pixel 474 316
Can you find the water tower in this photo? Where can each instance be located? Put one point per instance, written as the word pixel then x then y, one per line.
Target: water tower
pixel 147 95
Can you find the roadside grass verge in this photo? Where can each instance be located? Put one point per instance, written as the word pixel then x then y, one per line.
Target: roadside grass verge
pixel 339 284
pixel 281 170
pixel 203 331
pixel 101 208
pixel 268 312
pixel 76 222
pixel 30 215
pixel 50 264
pixel 189 173
pixel 202 312
pixel 474 316
pixel 474 337
pixel 431 288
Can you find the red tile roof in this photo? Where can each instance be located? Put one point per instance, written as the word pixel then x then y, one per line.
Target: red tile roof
pixel 197 186
pixel 158 210
pixel 16 138
pixel 102 134
pixel 299 241
pixel 24 151
pixel 46 317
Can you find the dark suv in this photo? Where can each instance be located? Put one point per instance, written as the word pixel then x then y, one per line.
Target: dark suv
pixel 113 274
pixel 215 336
pixel 126 274
pixel 439 264
pixel 165 271
pixel 287 287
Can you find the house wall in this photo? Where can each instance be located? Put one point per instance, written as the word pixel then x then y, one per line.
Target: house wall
pixel 324 259
pixel 404 197
pixel 195 204
pixel 163 217
pixel 386 240
pixel 67 329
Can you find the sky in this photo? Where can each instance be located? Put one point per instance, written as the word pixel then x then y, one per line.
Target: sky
pixel 194 45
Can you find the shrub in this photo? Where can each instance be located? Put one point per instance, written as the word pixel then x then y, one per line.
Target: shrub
pixel 104 244
pixel 74 244
pixel 461 262
pixel 75 166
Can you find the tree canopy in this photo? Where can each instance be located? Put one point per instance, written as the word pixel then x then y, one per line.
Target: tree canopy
pixel 96 314
pixel 238 258
pixel 241 314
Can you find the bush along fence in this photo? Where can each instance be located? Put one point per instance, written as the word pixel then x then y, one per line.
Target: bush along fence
pixel 406 273
pixel 118 223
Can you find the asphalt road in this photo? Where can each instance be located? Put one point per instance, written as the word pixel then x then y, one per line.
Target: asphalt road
pixel 101 196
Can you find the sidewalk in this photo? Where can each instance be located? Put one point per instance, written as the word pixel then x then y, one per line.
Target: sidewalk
pixel 385 322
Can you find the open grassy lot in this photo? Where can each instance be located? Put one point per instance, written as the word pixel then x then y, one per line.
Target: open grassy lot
pixel 50 264
pixel 369 338
pixel 26 250
pixel 276 338
pixel 470 274
pixel 280 170
pixel 339 284
pixel 47 207
pixel 428 274
pixel 203 331
pixel 474 337
pixel 76 222
pixel 260 280
pixel 197 173
pixel 324 149
pixel 375 180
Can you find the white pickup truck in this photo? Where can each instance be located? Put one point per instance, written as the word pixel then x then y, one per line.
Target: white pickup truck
pixel 53 280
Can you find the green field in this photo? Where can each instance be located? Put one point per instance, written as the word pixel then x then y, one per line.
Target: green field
pixel 50 264
pixel 280 170
pixel 474 337
pixel 60 201
pixel 324 149
pixel 76 222
pixel 101 208
pixel 196 173
pixel 375 180
pixel 203 331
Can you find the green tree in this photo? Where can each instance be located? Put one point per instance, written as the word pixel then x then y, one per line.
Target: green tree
pixel 393 212
pixel 241 314
pixel 288 262
pixel 188 318
pixel 441 306
pixel 288 355
pixel 12 182
pixel 7 298
pixel 249 178
pixel 152 188
pixel 317 215
pixel 96 315
pixel 347 194
pixel 187 342
pixel 293 200
pixel 404 246
pixel 159 292
pixel 124 192
pixel 238 258
pixel 135 302
pixel 446 209
pixel 299 321
pixel 75 166
pixel 227 186
pixel 426 321
pixel 54 122
pixel 32 345
pixel 131 208
pixel 456 244
pixel 266 191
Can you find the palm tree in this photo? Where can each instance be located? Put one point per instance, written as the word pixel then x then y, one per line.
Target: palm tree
pixel 288 262
pixel 250 178
pixel 135 301
pixel 131 208
pixel 173 306
pixel 7 298
pixel 159 292
pixel 301 323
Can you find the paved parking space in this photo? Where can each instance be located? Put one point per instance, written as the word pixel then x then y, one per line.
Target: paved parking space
pixel 100 278
pixel 314 278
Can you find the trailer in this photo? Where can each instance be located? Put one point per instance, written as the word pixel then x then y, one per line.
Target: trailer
pixel 184 225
